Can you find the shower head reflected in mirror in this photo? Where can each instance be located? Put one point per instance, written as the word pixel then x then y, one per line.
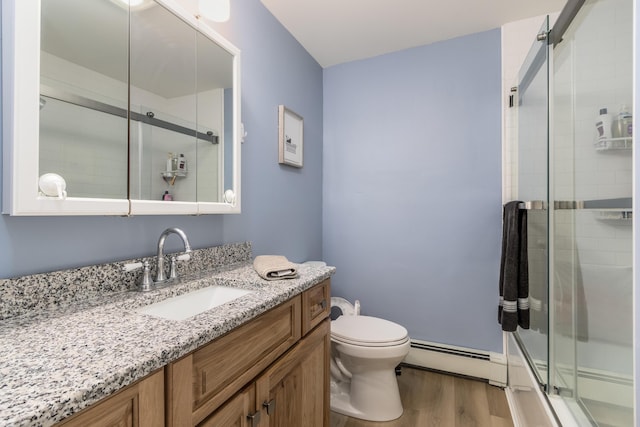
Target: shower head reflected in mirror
pixel 43 102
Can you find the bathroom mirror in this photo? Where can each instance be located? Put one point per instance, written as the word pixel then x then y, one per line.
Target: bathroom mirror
pixel 84 96
pixel 137 109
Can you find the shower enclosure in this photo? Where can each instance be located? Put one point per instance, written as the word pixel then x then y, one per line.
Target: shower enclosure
pixel 577 182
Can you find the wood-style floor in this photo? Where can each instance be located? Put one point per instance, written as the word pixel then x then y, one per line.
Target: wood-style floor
pixel 434 399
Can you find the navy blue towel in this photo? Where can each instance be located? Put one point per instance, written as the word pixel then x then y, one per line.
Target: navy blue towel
pixel 513 308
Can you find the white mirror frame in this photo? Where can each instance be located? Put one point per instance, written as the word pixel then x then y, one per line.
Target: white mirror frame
pixel 20 133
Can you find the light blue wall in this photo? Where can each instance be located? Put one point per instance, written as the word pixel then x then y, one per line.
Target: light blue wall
pixel 281 207
pixel 412 187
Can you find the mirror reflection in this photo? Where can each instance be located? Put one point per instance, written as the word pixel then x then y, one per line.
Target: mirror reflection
pixel 84 90
pixel 137 109
pixel 163 106
pixel 215 118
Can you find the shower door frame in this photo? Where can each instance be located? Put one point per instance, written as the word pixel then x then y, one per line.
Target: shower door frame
pixel 533 66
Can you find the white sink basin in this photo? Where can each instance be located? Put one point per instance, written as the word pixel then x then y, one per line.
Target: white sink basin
pixel 192 303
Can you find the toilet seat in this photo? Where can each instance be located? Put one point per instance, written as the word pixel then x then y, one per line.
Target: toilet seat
pixel 369 344
pixel 368 331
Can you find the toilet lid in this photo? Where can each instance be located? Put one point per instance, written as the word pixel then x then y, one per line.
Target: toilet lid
pixel 367 331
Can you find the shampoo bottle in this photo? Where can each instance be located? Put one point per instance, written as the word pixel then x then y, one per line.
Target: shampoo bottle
pixel 623 124
pixel 603 125
pixel 169 162
pixel 182 163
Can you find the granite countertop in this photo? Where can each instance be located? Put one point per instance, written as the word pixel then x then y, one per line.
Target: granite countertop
pixel 55 363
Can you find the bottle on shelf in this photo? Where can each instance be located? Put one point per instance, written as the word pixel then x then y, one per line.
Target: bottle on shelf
pixel 172 162
pixel 167 196
pixel 182 163
pixel 603 125
pixel 169 162
pixel 623 124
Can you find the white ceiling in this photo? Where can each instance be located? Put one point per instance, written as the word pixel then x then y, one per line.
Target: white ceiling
pixel 337 31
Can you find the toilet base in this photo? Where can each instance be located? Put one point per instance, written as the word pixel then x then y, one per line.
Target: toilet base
pixel 373 408
pixel 341 401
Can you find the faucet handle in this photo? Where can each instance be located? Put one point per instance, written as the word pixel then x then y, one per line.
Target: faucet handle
pixel 173 273
pixel 131 266
pixel 146 284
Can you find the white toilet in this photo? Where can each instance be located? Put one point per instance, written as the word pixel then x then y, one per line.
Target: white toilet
pixel 364 354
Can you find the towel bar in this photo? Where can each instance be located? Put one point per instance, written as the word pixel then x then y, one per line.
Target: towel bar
pixel 625 203
pixel 533 205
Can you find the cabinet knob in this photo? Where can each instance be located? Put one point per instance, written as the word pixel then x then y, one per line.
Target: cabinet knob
pixel 270 405
pixel 323 304
pixel 254 419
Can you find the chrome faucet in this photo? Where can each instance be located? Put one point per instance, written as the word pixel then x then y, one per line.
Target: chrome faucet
pixel 160 274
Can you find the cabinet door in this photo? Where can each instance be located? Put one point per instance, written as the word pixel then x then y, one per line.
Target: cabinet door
pixel 316 305
pixel 139 405
pixel 234 413
pixel 295 390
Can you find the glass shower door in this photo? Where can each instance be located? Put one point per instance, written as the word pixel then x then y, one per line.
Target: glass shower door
pixel 591 283
pixel 532 186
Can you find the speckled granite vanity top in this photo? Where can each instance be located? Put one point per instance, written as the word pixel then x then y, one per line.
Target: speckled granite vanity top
pixel 56 362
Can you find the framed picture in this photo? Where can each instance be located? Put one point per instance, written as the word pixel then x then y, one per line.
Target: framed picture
pixel 290 137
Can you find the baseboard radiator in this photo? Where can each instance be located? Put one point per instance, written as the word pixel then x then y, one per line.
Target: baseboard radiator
pixel 468 362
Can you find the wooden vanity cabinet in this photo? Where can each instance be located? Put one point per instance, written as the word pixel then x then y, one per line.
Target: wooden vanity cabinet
pixel 294 391
pixel 138 405
pixel 264 373
pixel 272 371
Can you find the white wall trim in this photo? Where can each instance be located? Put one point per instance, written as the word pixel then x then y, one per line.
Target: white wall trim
pixel 459 360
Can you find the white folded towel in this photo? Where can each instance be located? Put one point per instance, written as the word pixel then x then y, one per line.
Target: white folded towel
pixel 274 267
